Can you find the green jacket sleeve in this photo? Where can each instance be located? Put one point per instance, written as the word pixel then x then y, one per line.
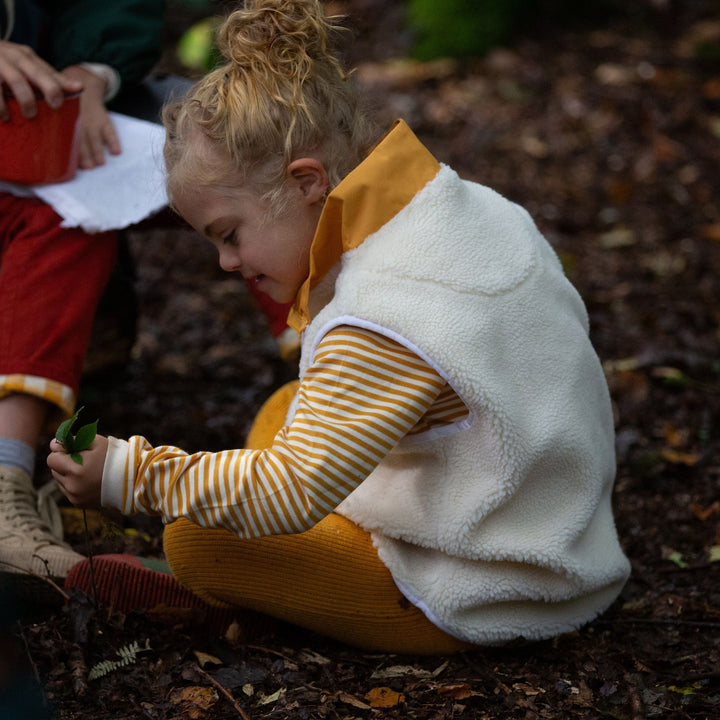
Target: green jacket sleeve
pixel 125 34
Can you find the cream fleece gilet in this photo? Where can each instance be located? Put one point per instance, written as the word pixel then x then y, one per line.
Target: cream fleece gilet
pixel 499 527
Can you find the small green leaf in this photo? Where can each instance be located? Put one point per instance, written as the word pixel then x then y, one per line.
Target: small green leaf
pixel 687 690
pixel 74 444
pixel 677 558
pixel 85 435
pixel 63 430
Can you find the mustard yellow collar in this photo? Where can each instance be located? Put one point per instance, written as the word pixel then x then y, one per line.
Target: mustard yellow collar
pixel 396 169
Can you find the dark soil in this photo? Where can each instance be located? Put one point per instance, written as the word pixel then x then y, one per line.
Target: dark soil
pixel 610 137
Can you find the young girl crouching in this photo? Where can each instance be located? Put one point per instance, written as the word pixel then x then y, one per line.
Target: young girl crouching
pixel 441 475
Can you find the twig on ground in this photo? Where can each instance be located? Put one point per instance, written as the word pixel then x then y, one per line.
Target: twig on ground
pixel 224 691
pixel 270 651
pixel 78 669
pixel 31 660
pixel 89 551
pixel 658 621
pixel 46 579
pixel 636 705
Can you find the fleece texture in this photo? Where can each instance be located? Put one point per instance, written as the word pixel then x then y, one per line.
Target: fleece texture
pixel 499 527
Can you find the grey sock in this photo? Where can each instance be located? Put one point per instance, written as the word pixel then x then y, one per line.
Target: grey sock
pixel 17 453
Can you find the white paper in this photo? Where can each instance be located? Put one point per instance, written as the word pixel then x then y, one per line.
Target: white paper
pixel 127 189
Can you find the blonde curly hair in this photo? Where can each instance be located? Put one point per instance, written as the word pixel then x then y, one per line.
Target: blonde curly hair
pixel 281 95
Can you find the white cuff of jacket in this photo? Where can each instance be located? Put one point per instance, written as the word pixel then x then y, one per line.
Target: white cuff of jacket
pixel 109 74
pixel 114 479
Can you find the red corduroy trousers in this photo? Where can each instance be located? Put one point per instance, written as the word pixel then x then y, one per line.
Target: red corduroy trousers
pixel 51 280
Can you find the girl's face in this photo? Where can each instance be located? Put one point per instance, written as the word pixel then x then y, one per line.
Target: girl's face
pixel 273 253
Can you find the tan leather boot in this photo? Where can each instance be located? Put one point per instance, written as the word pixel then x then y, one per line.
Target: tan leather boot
pixel 27 542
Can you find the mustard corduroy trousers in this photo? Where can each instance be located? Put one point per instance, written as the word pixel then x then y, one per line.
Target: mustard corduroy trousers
pixel 328 579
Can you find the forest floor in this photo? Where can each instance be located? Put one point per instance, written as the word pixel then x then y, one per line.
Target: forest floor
pixel 610 137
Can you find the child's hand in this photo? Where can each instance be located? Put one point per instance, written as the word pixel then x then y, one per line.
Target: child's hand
pixel 80 483
pixel 96 132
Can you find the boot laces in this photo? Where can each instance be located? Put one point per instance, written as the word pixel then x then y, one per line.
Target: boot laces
pixel 27 513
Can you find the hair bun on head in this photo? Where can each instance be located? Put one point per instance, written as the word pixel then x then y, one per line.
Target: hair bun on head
pixel 282 94
pixel 284 38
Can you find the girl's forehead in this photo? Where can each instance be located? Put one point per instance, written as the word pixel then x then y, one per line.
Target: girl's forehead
pixel 203 199
pixel 200 151
pixel 201 172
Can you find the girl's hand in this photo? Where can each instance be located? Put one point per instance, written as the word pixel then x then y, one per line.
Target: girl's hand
pixel 23 71
pixel 96 131
pixel 81 484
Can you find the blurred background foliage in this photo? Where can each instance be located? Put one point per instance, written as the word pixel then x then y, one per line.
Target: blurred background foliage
pixel 471 28
pixel 458 29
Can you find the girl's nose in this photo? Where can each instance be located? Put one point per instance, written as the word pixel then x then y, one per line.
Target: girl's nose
pixel 229 260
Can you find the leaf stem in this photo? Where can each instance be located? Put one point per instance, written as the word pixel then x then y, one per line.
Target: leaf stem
pixel 88 550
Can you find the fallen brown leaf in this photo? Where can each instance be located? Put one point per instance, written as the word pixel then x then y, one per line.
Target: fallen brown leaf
pixel 348 699
pixel 679 458
pixel 703 513
pixel 458 691
pixel 206 659
pixel 710 232
pixel 194 701
pixel 384 697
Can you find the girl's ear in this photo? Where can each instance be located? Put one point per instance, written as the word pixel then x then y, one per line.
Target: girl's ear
pixel 310 178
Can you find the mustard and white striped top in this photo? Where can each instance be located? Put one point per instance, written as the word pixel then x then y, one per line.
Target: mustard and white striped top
pixel 362 393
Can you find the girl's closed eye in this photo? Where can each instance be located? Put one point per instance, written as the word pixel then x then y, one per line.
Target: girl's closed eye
pixel 229 239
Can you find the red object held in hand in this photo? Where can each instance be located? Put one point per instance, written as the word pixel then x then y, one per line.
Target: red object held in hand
pixel 43 149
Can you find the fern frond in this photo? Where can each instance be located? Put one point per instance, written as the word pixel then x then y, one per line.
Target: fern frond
pixel 128 656
pixel 101 669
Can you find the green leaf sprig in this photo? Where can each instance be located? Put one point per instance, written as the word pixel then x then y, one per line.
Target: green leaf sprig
pixel 76 443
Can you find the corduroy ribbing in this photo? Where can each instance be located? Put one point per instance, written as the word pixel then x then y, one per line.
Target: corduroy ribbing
pixel 328 579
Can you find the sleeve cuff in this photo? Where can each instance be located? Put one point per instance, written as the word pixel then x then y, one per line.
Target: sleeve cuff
pixel 115 479
pixel 108 74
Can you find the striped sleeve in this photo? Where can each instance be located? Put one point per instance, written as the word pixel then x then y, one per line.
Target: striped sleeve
pixel 362 393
